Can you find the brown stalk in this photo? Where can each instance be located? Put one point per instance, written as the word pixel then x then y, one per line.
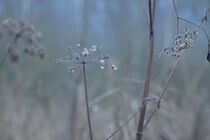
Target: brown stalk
pixel 157 106
pixel 140 128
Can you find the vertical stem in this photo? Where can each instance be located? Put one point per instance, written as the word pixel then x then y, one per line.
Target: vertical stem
pixel 140 128
pixel 87 101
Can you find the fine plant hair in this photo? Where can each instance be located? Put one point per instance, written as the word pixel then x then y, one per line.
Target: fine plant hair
pixel 20 31
pixel 80 56
pixel 178 52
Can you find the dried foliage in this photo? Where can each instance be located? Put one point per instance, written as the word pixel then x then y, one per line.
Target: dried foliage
pixel 26 33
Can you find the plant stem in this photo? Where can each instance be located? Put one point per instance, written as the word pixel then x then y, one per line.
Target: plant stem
pixel 140 128
pixel 87 101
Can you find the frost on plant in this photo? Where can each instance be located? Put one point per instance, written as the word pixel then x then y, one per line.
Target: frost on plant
pixel 26 33
pixel 181 42
pixel 78 55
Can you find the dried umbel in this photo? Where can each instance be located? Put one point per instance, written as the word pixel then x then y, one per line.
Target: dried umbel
pixel 78 55
pixel 182 42
pixel 26 33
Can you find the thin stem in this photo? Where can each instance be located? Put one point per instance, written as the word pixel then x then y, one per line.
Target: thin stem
pixel 140 128
pixel 198 26
pixel 87 101
pixel 157 106
pixel 146 11
pixel 125 123
pixel 177 17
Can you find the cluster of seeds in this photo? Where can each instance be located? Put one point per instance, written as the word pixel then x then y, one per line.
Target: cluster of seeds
pixel 18 30
pixel 181 42
pixel 79 55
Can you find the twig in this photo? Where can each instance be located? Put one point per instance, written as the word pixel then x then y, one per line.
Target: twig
pixel 177 16
pixel 153 10
pixel 140 127
pixel 125 123
pixel 157 106
pixel 87 101
pixel 199 26
pixel 146 10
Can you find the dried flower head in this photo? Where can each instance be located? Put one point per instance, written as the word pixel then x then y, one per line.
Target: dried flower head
pixel 27 33
pixel 181 42
pixel 78 55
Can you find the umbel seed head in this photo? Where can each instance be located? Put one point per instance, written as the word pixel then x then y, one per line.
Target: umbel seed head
pixel 79 55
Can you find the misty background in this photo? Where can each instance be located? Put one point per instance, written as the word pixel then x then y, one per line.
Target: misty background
pixel 40 99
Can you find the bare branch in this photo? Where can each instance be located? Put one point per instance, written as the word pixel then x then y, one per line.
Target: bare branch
pixel 157 106
pixel 177 16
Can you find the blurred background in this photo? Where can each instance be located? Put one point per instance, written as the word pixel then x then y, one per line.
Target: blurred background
pixel 41 100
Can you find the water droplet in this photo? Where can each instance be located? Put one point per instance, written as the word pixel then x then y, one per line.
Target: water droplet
pixel 102 61
pixel 72 70
pixel 102 67
pixel 94 48
pixel 114 67
pixel 85 52
pixel 78 45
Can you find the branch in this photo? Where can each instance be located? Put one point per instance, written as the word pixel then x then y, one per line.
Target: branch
pixel 177 16
pixel 157 106
pixel 125 123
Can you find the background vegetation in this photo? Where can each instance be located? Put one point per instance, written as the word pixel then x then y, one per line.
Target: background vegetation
pixel 42 100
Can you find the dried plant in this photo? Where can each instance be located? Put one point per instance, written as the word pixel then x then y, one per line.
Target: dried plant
pixel 182 43
pixel 26 33
pixel 80 56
